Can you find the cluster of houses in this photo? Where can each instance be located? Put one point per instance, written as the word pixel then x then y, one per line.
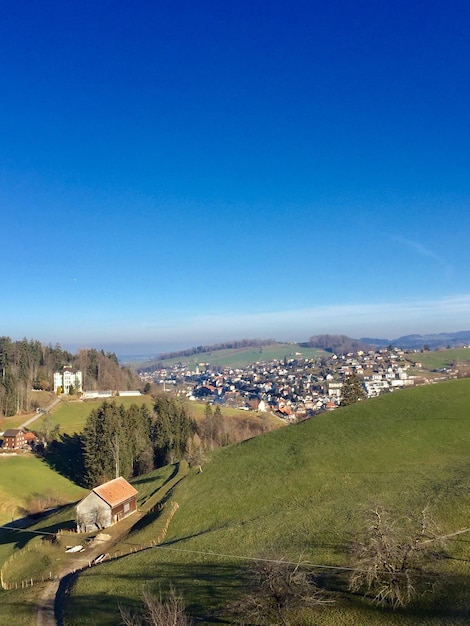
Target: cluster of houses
pixel 293 387
pixel 18 439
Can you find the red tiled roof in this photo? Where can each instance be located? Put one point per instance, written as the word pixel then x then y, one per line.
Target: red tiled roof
pixel 115 491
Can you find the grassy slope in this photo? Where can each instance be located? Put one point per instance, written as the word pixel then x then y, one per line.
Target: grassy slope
pixel 437 359
pixel 25 476
pixel 304 489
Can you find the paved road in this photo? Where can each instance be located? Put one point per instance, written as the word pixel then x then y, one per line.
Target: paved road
pixel 38 415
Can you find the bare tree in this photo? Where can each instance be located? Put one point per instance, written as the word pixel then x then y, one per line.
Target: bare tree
pixel 158 612
pixel 194 453
pixel 279 589
pixel 114 445
pixel 389 562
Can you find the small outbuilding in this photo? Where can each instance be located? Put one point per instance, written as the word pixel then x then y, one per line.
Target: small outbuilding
pixel 105 505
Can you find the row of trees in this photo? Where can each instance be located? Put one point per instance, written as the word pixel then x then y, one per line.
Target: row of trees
pixel 337 344
pixel 24 366
pixel 28 365
pixel 120 441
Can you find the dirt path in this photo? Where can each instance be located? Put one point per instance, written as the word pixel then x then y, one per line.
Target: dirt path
pixel 46 608
pixel 47 611
pixel 45 614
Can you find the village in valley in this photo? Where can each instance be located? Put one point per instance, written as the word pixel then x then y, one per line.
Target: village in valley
pixel 295 388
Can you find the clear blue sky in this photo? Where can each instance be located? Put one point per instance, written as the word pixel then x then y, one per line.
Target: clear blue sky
pixel 178 172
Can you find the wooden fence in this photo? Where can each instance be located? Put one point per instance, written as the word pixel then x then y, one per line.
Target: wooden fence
pixel 30 582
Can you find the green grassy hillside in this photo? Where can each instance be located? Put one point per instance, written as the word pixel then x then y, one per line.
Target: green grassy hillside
pixel 304 490
pixel 25 478
pixel 437 359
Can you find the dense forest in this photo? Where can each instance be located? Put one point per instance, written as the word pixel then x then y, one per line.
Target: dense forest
pixel 129 442
pixel 28 365
pixel 337 344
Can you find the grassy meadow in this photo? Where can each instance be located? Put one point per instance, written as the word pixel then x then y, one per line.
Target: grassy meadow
pixel 303 492
pixel 437 359
pixel 25 478
pixel 197 410
pixel 71 415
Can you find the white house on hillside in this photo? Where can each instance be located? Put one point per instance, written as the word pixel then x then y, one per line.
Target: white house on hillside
pixel 67 378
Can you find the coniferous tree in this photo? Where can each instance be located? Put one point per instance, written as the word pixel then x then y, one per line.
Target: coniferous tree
pixel 102 439
pixel 136 428
pixel 171 429
pixel 352 391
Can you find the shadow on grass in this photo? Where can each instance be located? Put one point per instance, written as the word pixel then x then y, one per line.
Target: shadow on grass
pixel 20 533
pixel 142 480
pixel 207 589
pixel 16 532
pixel 65 456
pixel 449 603
pixel 210 587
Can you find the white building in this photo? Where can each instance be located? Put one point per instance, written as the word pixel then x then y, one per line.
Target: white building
pixel 67 378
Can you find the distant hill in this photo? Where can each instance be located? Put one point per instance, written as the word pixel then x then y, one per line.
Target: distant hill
pixel 240 353
pixel 341 344
pixel 338 344
pixel 233 357
pixel 234 344
pixel 417 342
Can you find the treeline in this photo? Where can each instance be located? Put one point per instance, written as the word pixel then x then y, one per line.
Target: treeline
pixel 28 365
pixel 119 441
pixel 227 345
pixel 101 370
pixel 129 442
pixel 337 344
